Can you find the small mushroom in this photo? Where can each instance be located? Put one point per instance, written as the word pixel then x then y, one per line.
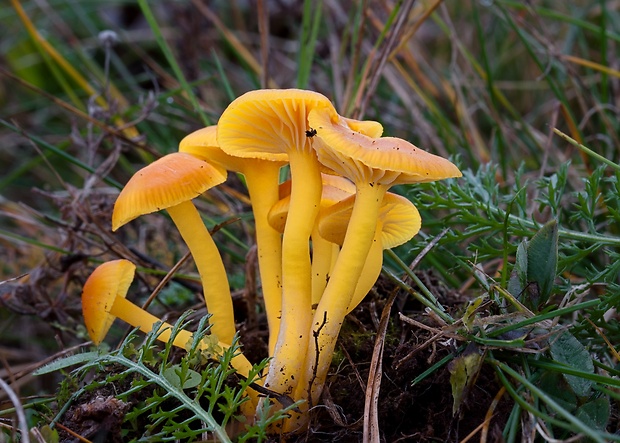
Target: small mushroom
pixel 104 300
pixel 398 221
pixel 261 178
pixel 275 122
pixel 374 165
pixel 171 183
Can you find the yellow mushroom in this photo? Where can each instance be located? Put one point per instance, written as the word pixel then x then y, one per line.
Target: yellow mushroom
pixel 171 183
pixel 374 165
pixel 275 122
pixel 104 300
pixel 261 178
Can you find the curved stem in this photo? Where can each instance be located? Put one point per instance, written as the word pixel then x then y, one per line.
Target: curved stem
pixel 290 350
pixel 139 318
pixel 322 253
pixel 210 267
pixel 371 271
pixel 144 320
pixel 262 182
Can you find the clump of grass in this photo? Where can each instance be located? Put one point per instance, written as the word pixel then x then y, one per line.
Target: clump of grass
pixel 541 319
pixel 503 87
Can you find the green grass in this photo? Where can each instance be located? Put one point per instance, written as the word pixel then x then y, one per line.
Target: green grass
pixel 522 97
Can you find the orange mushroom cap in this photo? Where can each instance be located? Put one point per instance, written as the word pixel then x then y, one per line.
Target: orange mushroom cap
pixel 399 218
pixel 107 282
pixel 169 181
pixel 369 128
pixel 335 189
pixel 204 145
pixel 383 160
pixel 268 123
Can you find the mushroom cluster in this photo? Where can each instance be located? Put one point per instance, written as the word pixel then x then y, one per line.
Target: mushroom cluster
pixel 319 235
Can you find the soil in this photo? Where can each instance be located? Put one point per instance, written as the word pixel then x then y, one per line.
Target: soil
pixel 407 412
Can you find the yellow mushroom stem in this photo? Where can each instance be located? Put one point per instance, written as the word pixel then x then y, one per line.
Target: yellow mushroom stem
pixel 324 250
pixel 144 320
pixel 370 272
pixel 262 177
pixel 210 267
pixel 290 350
pixel 324 254
pixel 336 299
pixel 262 183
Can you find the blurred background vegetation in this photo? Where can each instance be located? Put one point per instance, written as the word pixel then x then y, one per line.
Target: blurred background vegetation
pixel 92 91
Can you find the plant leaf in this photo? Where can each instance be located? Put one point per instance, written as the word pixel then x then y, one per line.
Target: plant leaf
pixel 49 435
pixel 518 278
pixel 173 374
pixel 542 260
pixel 463 373
pixel 595 413
pixel 568 350
pixel 556 387
pixel 65 362
pixel 470 312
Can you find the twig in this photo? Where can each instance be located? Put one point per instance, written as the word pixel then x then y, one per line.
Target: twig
pixel 384 55
pixel 19 411
pixel 283 399
pixel 371 416
pixel 263 30
pixel 491 413
pixel 354 367
pixel 72 433
pixel 316 334
pixel 165 280
pixel 476 430
pixel 416 261
pixel 371 405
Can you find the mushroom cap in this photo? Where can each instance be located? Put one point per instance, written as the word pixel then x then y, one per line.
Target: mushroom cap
pixel 336 183
pixel 206 136
pixel 333 181
pixel 369 128
pixel 382 160
pixel 268 123
pixel 108 281
pixel 166 182
pixel 203 145
pixel 335 189
pixel 399 217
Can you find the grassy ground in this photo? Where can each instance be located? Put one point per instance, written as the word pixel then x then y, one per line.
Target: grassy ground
pixel 507 330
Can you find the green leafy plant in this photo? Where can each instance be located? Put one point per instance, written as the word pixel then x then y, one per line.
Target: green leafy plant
pixel 161 396
pixel 532 327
